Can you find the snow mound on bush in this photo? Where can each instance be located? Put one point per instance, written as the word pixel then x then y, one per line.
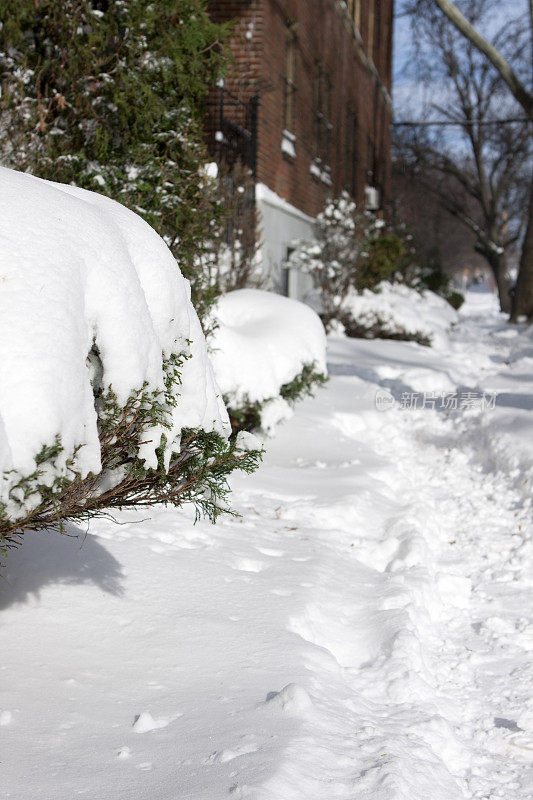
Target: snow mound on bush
pixel 262 342
pixel 77 270
pixel 400 309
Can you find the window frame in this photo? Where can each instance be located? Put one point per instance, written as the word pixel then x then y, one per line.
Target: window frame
pixel 289 77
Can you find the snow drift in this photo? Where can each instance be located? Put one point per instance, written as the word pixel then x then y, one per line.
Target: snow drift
pixel 262 342
pixel 79 273
pixel 398 310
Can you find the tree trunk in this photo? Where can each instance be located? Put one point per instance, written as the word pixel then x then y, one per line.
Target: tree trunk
pixel 523 296
pixel 498 264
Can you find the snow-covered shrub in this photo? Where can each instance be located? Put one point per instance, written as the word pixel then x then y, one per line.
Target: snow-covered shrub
pixel 368 280
pixel 429 274
pixel 109 96
pixel 396 311
pixel 107 397
pixel 267 352
pixel 386 260
pixel 455 299
pixel 337 255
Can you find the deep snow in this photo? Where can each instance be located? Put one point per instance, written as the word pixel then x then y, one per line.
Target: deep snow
pixel 76 270
pixel 261 342
pixel 398 308
pixel 362 632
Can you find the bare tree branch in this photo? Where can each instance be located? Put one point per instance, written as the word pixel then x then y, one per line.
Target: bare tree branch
pixel 519 91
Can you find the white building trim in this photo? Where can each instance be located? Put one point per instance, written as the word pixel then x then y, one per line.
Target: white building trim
pixel 281 224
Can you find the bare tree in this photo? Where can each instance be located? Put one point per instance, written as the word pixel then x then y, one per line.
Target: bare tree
pixel 523 300
pixel 477 172
pixel 439 239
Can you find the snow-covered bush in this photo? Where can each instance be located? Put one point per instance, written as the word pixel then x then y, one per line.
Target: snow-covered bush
pixel 107 397
pixel 110 96
pixel 267 352
pixel 396 311
pixel 335 258
pixel 368 279
pixel 428 274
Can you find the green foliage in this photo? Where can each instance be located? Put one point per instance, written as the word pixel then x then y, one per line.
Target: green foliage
pixel 303 384
pixel 386 258
pixel 430 275
pixel 247 416
pixel 230 258
pixel 379 328
pixel 335 258
pixel 455 299
pixel 109 96
pixel 352 251
pixel 53 494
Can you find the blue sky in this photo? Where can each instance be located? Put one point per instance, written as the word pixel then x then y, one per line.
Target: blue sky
pixel 408 94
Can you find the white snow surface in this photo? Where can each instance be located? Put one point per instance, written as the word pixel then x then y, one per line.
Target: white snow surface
pixel 75 269
pixel 362 632
pixel 262 341
pixel 401 308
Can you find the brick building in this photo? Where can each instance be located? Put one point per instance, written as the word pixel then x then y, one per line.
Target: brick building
pixel 307 107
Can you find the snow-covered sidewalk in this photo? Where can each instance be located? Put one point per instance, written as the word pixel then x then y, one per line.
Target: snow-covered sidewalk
pixel 362 632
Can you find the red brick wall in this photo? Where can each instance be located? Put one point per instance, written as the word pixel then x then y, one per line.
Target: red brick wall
pixel 325 33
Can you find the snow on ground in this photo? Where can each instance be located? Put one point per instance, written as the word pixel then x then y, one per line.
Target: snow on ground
pixel 77 270
pixel 362 632
pixel 398 309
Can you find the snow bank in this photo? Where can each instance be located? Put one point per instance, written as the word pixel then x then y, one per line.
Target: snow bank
pixel 78 270
pixel 400 309
pixel 263 341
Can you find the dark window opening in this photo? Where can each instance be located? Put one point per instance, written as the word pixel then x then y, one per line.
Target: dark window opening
pixel 289 92
pixel 322 103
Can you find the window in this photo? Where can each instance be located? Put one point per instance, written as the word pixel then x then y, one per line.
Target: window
pixel 352 146
pixel 317 111
pixel 371 29
pixel 322 102
pixel 377 34
pixel 289 78
pixel 327 119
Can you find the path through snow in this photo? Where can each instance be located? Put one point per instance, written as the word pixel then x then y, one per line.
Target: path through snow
pixel 362 632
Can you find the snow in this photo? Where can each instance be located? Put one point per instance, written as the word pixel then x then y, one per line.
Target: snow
pixel 262 341
pixel 288 144
pixel 266 195
pixel 401 308
pixel 76 269
pixel 362 630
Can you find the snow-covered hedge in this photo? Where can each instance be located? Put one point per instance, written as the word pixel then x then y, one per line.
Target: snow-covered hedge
pixel 267 351
pixel 107 396
pixel 396 311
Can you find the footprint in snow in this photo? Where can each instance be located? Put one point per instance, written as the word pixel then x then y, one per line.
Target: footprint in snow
pixel 223 756
pixel 293 699
pixel 5 717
